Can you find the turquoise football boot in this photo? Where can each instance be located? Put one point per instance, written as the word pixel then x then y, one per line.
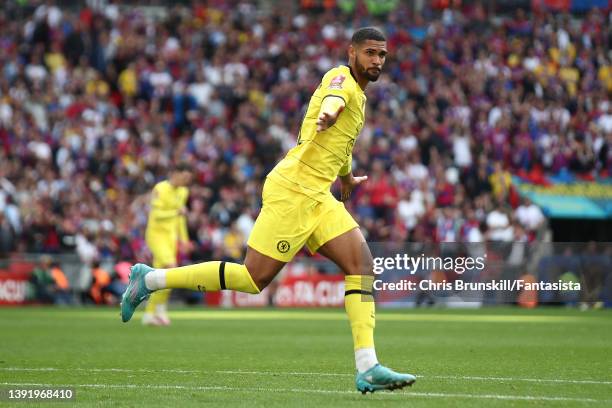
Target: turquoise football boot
pixel 382 378
pixel 136 292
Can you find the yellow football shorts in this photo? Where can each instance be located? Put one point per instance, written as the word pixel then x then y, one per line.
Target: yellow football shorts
pixel 288 220
pixel 164 251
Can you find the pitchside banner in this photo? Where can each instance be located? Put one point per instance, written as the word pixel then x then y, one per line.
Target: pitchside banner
pixel 464 275
pixel 307 290
pixel 13 287
pixel 570 198
pixel 317 290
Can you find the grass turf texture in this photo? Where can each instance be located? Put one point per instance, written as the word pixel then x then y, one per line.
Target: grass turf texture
pixel 499 357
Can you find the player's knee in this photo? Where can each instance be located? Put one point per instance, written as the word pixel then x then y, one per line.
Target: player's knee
pixel 368 267
pixel 260 278
pixel 362 266
pixel 261 281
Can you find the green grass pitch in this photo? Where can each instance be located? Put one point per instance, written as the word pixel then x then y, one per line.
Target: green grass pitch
pixel 499 357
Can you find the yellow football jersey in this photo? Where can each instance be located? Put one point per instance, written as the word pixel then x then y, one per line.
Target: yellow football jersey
pixel 165 221
pixel 319 157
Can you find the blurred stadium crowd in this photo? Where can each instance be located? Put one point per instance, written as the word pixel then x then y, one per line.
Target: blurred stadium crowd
pixel 96 104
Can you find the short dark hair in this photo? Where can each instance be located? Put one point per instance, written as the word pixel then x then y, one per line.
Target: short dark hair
pixel 367 33
pixel 182 166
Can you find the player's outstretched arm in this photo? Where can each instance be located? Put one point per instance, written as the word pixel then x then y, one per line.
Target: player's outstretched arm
pixel 348 184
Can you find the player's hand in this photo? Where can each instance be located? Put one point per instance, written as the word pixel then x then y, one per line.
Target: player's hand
pixel 186 247
pixel 348 184
pixel 183 211
pixel 327 120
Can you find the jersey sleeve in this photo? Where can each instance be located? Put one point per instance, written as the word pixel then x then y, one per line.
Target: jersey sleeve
pixel 183 235
pixel 334 83
pixel 182 226
pixel 347 167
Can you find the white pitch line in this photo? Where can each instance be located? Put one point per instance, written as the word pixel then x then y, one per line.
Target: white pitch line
pixel 537 380
pixel 442 377
pixel 310 391
pixel 104 370
pixel 179 371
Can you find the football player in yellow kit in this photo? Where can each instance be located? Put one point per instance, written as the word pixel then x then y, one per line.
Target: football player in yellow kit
pixel 166 231
pixel 299 209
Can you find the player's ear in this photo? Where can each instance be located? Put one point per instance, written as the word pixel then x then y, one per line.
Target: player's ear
pixel 351 52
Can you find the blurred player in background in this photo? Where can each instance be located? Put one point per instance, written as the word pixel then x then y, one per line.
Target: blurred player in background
pixel 166 233
pixel 299 209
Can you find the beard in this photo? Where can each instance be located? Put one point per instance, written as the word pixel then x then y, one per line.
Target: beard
pixel 372 74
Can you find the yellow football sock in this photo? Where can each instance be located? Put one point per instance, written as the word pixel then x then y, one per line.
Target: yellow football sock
pixel 211 276
pixel 359 305
pixel 159 297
